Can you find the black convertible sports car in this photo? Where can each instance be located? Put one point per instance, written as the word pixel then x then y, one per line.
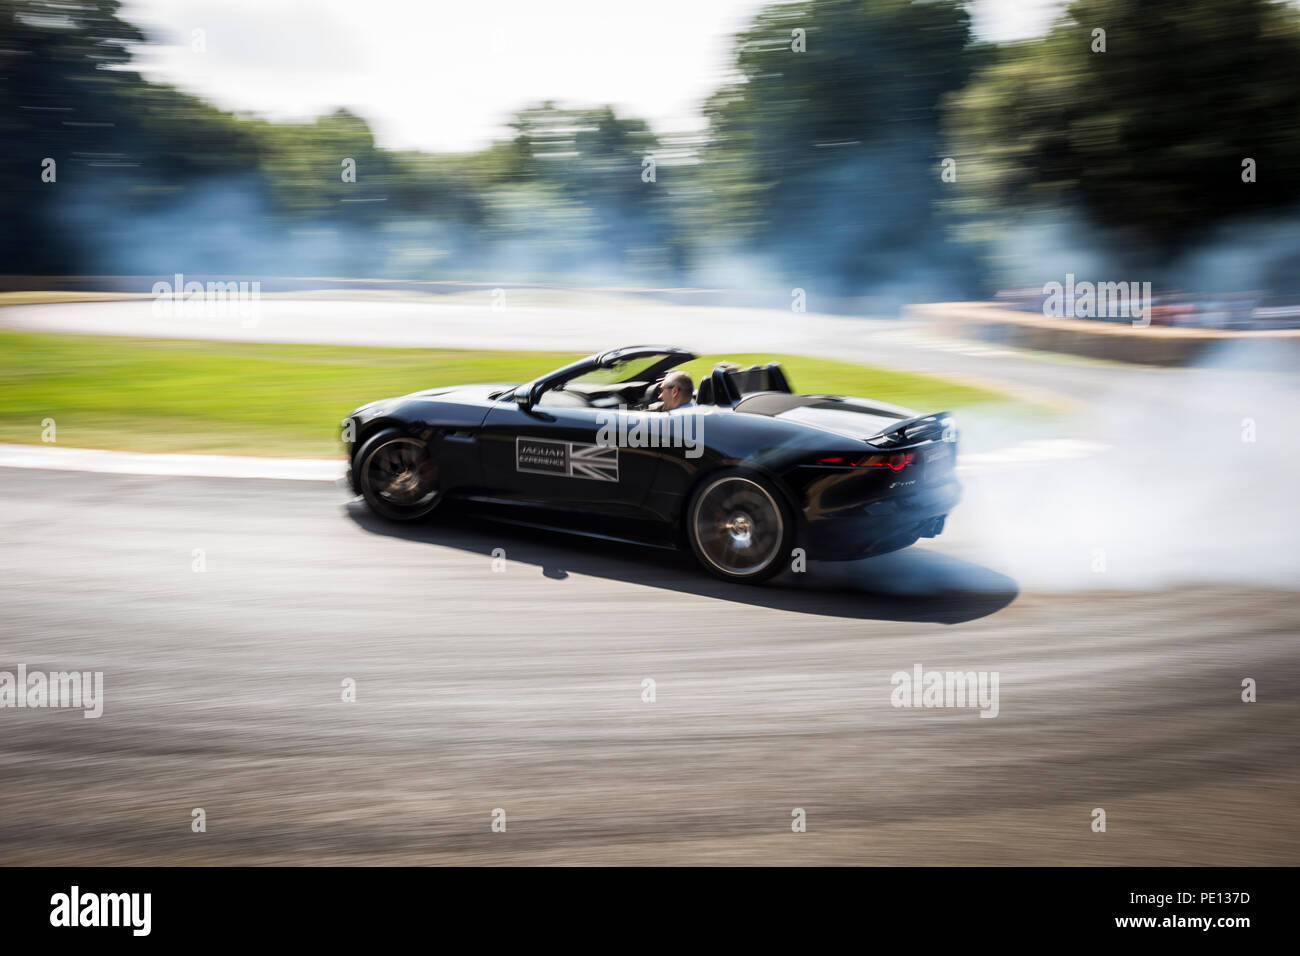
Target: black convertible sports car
pixel 744 476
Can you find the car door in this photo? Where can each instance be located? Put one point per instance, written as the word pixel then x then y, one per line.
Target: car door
pixel 564 459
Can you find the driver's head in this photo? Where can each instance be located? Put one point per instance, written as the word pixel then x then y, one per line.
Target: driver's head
pixel 676 389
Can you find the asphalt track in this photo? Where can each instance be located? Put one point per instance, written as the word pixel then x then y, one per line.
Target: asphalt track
pixel 522 688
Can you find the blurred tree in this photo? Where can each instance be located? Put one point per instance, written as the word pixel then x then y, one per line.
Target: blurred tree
pixel 1148 137
pixel 823 156
pixel 60 99
pixel 829 158
pixel 594 164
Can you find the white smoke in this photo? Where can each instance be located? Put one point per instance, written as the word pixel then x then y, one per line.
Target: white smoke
pixel 1193 482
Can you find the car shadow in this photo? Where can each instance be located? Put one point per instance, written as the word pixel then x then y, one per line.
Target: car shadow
pixel 914 584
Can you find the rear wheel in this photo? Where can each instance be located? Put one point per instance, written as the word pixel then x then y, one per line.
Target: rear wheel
pixel 397 476
pixel 739 527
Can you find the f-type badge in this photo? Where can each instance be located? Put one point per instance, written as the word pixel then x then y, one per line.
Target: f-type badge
pixel 566 459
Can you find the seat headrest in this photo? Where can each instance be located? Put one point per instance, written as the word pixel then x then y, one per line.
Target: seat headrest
pixel 749 380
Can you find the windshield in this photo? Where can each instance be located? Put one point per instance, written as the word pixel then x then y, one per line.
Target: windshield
pixel 636 369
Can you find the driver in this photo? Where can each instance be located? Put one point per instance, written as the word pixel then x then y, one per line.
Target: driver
pixel 677 391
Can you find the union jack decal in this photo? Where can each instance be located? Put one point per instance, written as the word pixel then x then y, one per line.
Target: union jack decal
pixel 544 456
pixel 593 461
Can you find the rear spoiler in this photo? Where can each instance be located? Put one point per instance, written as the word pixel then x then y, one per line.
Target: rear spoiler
pixel 936 427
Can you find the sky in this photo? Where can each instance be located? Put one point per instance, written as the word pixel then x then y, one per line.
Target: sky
pixel 439 76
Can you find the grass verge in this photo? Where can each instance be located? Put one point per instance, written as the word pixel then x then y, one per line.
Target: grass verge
pixel 244 398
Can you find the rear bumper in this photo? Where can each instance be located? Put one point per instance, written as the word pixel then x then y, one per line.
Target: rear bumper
pixel 880 526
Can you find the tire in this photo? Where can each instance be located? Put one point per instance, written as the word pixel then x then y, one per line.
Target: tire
pixel 739 527
pixel 398 476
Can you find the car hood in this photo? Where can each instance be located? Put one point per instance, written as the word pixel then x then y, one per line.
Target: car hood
pixel 462 393
pixel 458 394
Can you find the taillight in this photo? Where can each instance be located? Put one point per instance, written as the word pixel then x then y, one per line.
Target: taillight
pixel 895 462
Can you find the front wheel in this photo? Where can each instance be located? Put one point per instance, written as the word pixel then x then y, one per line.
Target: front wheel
pixel 739 527
pixel 397 476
